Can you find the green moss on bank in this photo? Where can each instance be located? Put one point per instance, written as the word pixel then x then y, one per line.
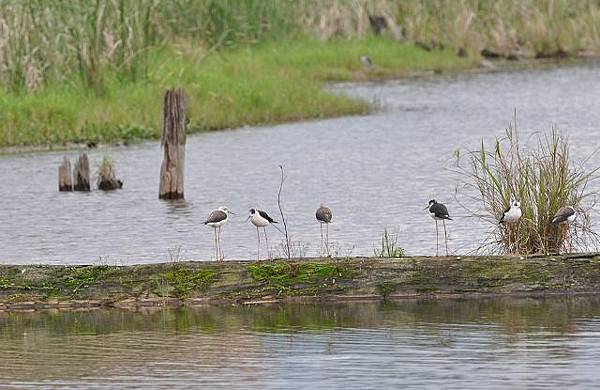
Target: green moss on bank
pixel 180 282
pixel 268 83
pixel 322 279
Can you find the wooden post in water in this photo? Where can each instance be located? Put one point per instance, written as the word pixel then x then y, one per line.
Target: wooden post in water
pixel 65 176
pixel 81 173
pixel 172 141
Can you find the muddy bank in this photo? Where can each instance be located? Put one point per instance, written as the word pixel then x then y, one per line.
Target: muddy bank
pixel 249 282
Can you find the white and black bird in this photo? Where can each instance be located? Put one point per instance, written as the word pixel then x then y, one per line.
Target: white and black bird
pixel 439 212
pixel 366 61
pixel 261 219
pixel 216 219
pixel 512 214
pixel 324 216
pixel 564 216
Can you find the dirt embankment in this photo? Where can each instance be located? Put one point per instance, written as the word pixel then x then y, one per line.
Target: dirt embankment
pixel 31 287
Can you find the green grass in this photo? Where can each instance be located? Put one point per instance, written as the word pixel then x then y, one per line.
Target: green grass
pixel 389 246
pixel 267 83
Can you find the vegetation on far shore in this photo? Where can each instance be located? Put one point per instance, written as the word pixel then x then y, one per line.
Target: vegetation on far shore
pixel 268 83
pixel 84 71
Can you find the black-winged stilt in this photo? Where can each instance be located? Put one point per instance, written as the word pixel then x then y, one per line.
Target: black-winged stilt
pixel 324 216
pixel 216 219
pixel 564 216
pixel 261 219
pixel 439 212
pixel 366 60
pixel 512 214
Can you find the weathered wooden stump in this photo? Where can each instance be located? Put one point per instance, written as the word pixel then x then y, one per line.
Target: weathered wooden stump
pixel 65 176
pixel 81 173
pixel 175 120
pixel 107 177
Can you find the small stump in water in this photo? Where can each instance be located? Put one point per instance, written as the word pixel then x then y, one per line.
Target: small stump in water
pixel 81 173
pixel 107 178
pixel 65 176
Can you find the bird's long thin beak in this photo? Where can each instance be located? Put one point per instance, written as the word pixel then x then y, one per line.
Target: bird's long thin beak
pixel 231 212
pixel 247 219
pixel 426 207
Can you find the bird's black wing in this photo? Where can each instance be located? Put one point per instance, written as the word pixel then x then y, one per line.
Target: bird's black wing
pixel 216 216
pixel 504 213
pixel 324 214
pixel 439 210
pixel 266 216
pixel 562 215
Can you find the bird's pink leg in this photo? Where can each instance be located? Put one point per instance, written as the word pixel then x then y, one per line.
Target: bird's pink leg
pixel 437 238
pixel 327 240
pixel 510 249
pixel 216 247
pixel 267 244
pixel 445 235
pixel 258 245
pixel 515 240
pixel 322 251
pixel 221 257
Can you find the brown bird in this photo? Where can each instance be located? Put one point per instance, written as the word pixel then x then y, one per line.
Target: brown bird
pixel 324 216
pixel 215 220
pixel 564 216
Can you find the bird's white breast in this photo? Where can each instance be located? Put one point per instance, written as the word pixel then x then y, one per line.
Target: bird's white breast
pixel 513 215
pixel 218 224
pixel 258 221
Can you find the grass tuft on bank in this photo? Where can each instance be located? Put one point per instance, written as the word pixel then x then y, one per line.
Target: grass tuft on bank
pixel 267 83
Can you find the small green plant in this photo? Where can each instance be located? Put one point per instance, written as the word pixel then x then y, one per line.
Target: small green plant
pixel 5 283
pixel 543 178
pixel 107 177
pixel 82 276
pixel 389 246
pixel 106 168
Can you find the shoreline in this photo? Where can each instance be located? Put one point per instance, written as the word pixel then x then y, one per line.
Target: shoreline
pixel 494 66
pixel 316 280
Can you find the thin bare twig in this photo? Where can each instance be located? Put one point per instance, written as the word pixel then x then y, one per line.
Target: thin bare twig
pixel 287 237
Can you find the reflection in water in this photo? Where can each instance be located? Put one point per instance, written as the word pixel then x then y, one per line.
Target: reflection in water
pixel 390 162
pixel 433 344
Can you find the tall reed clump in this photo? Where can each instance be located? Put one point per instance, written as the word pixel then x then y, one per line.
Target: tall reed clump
pixel 543 178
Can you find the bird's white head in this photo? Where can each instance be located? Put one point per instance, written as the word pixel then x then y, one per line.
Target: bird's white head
pixel 252 212
pixel 431 203
pixel 516 204
pixel 225 209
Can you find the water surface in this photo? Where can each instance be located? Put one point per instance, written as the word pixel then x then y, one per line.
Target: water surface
pixel 376 171
pixel 450 344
